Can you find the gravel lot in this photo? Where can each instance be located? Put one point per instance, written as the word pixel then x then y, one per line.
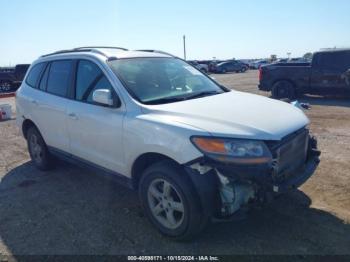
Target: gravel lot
pixel 72 211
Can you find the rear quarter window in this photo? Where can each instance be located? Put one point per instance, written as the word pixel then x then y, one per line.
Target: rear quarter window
pixel 34 74
pixel 333 60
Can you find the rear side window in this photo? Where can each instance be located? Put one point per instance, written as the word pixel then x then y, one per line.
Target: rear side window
pixel 34 75
pixel 59 77
pixel 89 78
pixel 334 60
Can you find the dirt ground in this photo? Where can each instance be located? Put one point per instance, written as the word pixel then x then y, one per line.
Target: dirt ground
pixel 71 210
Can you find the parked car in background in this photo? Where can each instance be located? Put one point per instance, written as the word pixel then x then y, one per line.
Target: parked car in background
pixel 161 127
pixel 258 64
pixel 231 66
pixel 281 60
pixel 203 67
pixel 244 62
pixel 328 73
pixel 212 65
pixel 11 78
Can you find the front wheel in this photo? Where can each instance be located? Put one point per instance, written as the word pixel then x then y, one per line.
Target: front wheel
pixel 170 201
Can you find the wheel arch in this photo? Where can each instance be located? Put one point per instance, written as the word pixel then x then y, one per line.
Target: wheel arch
pixel 204 186
pixel 144 161
pixel 27 123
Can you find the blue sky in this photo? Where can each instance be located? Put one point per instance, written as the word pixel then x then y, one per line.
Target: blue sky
pixel 214 28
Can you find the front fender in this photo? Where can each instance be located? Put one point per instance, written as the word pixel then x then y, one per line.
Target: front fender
pixel 143 135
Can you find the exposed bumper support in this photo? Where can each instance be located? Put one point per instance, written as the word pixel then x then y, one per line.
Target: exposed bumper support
pixel 222 200
pixel 302 175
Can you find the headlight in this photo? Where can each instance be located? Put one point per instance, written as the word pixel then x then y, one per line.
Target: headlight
pixel 240 151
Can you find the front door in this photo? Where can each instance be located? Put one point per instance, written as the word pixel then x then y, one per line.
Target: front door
pixel 95 131
pixel 331 71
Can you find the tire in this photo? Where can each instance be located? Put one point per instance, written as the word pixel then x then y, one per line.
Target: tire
pixel 223 71
pixel 243 70
pixel 38 150
pixel 170 201
pixel 283 89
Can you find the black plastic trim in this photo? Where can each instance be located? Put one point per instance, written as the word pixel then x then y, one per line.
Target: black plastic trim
pixel 119 178
pixel 206 186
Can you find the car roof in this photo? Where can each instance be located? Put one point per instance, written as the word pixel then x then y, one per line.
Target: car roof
pixel 111 53
pixel 331 50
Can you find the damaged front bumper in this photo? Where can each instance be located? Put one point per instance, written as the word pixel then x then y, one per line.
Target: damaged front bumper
pixel 226 189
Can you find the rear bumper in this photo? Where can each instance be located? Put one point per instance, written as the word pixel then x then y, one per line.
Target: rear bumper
pixel 264 87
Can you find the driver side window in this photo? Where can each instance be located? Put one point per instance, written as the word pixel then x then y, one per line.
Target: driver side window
pixel 88 79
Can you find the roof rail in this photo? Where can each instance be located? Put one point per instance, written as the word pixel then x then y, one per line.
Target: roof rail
pixel 73 51
pixel 106 47
pixel 85 49
pixel 335 49
pixel 156 51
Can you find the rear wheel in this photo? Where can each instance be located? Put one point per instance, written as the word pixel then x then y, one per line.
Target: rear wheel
pixel 170 201
pixel 38 150
pixel 283 89
pixel 243 70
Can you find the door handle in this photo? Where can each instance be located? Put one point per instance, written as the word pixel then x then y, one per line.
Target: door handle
pixel 73 116
pixel 34 102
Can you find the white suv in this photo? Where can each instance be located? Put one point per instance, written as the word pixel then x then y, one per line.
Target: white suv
pixel 195 150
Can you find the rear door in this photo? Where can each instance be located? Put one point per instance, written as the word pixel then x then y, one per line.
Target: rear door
pixel 95 130
pixel 331 71
pixel 236 66
pixel 51 103
pixel 229 67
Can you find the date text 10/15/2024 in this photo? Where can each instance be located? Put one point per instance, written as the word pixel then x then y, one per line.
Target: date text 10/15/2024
pixel 173 258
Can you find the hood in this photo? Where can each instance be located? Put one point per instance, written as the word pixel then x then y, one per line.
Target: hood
pixel 235 114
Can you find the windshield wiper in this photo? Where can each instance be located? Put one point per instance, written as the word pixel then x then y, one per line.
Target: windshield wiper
pixel 164 100
pixel 202 94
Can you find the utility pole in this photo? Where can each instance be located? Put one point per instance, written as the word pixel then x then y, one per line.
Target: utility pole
pixel 184 40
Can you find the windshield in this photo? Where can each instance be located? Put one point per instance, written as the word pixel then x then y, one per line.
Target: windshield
pixel 163 80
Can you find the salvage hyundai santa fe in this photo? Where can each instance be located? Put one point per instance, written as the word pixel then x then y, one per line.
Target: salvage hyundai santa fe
pixel 195 150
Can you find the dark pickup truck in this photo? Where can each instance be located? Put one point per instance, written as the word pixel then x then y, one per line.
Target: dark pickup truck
pixel 328 73
pixel 11 78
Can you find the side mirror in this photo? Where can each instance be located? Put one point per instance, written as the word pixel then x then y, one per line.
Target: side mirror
pixel 103 96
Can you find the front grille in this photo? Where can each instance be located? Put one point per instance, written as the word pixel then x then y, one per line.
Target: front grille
pixel 290 153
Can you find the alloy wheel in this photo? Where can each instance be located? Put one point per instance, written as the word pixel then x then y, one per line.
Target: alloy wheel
pixel 165 203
